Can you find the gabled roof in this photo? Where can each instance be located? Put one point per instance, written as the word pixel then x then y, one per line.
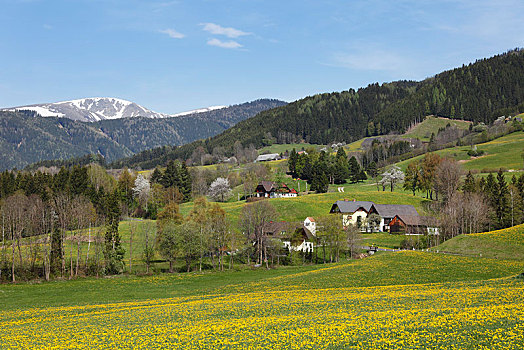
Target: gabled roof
pixel 351 206
pixel 412 220
pixel 390 210
pixel 275 228
pixel 310 219
pixel 267 185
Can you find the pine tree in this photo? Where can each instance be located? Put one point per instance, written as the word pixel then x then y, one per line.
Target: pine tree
pixel 79 180
pixel 320 183
pixel 354 169
pixel 372 169
pixel 502 207
pixel 362 175
pixel 470 186
pixel 113 250
pixel 156 176
pixel 185 182
pixel 61 181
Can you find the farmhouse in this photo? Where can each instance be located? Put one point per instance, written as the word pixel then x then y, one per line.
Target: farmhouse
pixel 271 189
pixel 353 212
pixel 311 225
pixel 294 236
pixel 414 225
pixel 356 212
pixel 388 211
pixel 267 157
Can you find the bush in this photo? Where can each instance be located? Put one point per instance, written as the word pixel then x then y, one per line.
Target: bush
pixel 475 153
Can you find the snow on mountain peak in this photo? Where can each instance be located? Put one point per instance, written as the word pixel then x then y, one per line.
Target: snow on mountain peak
pixel 101 108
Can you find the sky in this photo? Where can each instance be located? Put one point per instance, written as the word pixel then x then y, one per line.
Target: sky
pixel 173 56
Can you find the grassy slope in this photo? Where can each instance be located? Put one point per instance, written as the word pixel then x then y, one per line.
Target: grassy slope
pixel 297 209
pixel 504 152
pixel 408 299
pixel 380 270
pixel 281 148
pixel 432 124
pixel 502 244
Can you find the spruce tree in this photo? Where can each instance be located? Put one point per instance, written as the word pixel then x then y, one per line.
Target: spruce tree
pixel 354 169
pixel 362 175
pixel 113 250
pixel 470 185
pixel 372 169
pixel 502 207
pixel 156 176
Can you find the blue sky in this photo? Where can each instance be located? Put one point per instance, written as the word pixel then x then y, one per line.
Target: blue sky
pixel 172 56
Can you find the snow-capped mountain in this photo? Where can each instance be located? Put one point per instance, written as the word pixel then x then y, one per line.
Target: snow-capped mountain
pixel 101 108
pixel 200 110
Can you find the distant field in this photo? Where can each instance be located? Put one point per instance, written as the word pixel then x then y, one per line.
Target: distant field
pixel 432 124
pixel 504 152
pixel 502 244
pixel 354 146
pixel 281 148
pixel 408 299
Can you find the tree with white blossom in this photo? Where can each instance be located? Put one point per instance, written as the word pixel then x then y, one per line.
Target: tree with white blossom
pixel 220 190
pixel 142 189
pixel 392 175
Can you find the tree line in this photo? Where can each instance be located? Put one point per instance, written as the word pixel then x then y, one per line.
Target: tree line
pixel 466 204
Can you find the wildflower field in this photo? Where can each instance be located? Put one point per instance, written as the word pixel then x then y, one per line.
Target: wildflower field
pixel 392 300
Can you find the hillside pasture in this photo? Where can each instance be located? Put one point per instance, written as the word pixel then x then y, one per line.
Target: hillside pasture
pixel 432 124
pixel 504 152
pixel 281 148
pixel 501 244
pixel 315 205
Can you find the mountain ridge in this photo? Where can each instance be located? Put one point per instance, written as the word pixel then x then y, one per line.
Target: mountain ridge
pixel 26 138
pixel 93 109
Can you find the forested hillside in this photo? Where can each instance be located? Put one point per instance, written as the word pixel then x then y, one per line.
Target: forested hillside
pixel 478 92
pixel 139 134
pixel 26 138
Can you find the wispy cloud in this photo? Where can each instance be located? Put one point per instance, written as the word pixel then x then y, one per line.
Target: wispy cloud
pixel 172 33
pixel 47 26
pixel 219 30
pixel 378 59
pixel 231 44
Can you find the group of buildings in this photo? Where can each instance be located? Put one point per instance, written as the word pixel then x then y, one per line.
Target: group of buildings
pixel 366 215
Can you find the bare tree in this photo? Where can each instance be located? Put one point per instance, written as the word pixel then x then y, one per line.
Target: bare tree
pixel 447 178
pixel 464 213
pixel 14 211
pixel 254 220
pixel 332 235
pixel 62 208
pixel 219 232
pixel 353 240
